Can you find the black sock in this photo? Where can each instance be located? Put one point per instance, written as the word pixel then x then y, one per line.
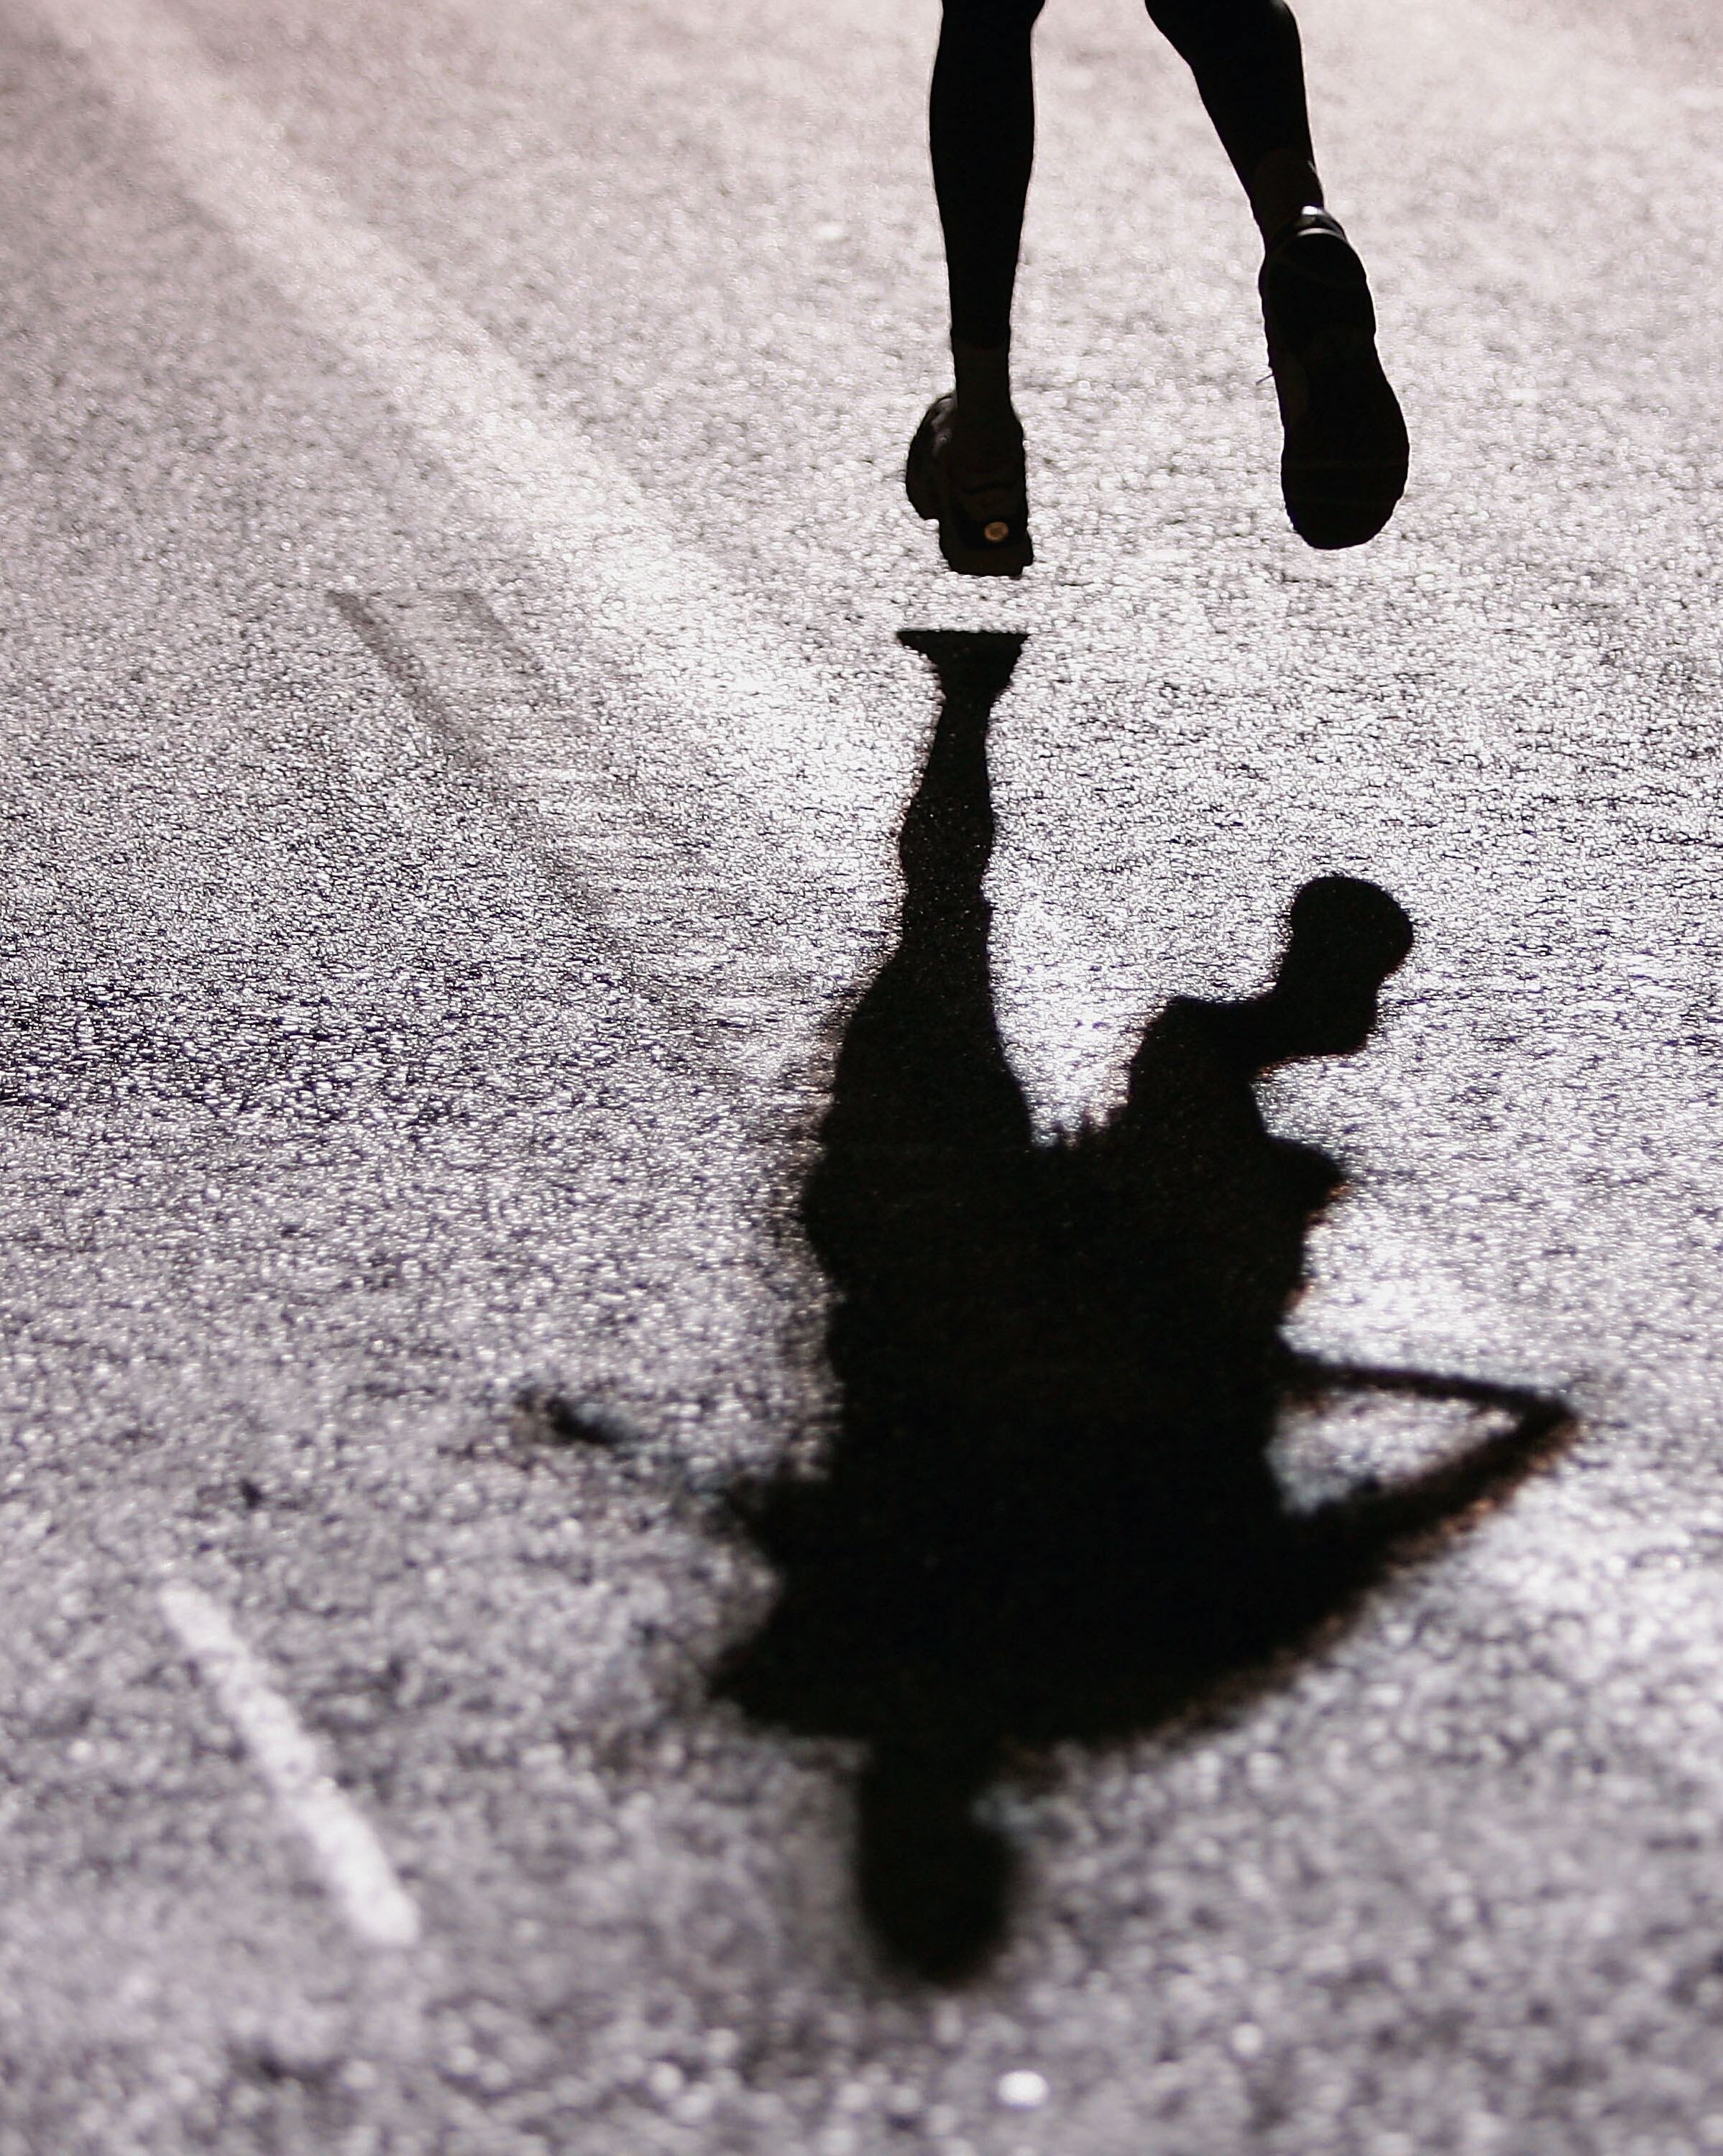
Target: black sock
pixel 986 437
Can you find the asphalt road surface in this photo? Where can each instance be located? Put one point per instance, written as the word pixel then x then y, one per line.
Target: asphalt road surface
pixel 456 734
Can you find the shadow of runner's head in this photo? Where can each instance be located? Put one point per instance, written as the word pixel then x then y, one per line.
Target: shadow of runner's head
pixel 1343 938
pixel 1046 1511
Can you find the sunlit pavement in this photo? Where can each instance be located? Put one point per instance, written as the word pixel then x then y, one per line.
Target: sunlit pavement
pixel 456 734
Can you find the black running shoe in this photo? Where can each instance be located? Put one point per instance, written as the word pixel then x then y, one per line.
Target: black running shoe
pixel 1344 466
pixel 984 531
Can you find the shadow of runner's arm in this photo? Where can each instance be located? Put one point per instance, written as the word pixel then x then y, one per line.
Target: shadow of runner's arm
pixel 1376 1520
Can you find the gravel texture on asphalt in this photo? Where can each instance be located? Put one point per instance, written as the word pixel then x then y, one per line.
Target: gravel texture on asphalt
pixel 456 733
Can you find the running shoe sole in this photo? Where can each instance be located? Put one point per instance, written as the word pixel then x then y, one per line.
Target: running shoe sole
pixel 1344 466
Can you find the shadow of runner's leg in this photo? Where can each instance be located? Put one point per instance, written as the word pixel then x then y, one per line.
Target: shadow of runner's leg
pixel 918 1167
pixel 926 1124
pixel 921 1065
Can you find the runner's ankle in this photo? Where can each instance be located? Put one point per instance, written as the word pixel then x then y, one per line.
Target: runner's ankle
pixel 984 379
pixel 986 440
pixel 1285 183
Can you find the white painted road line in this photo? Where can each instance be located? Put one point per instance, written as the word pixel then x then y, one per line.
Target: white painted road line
pixel 355 1868
pixel 787 744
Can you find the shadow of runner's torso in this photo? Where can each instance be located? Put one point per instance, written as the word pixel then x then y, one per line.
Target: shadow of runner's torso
pixel 1047 1509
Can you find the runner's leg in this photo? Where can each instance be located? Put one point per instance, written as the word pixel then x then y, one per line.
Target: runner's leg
pixel 1250 74
pixel 1344 462
pixel 981 129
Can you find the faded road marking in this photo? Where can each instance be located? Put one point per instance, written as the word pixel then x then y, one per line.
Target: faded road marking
pixel 786 740
pixel 355 1869
pixel 709 937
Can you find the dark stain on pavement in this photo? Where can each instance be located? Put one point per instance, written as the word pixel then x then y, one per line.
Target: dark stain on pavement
pixel 1047 1512
pixel 544 1416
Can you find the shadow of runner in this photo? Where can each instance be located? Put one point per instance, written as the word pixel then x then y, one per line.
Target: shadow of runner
pixel 1048 1510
